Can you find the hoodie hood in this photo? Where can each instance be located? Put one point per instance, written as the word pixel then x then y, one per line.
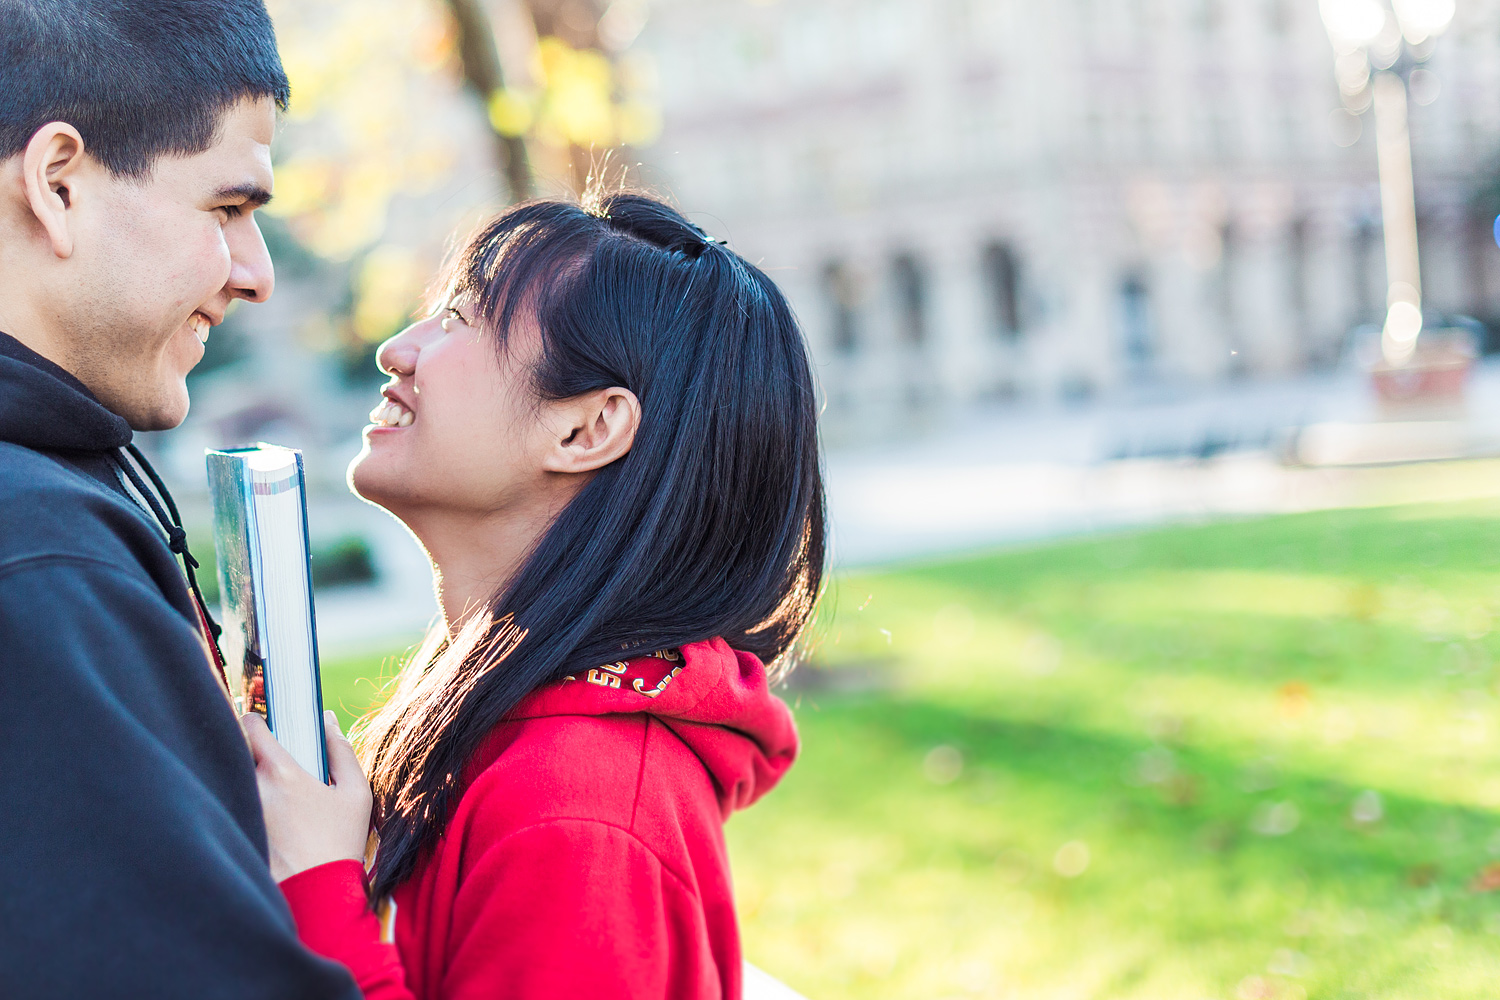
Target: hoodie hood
pixel 715 699
pixel 45 408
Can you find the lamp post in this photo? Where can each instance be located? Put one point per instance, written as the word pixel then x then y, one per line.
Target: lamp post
pixel 1378 46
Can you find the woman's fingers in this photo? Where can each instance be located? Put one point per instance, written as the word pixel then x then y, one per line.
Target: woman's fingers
pixel 270 756
pixel 263 746
pixel 343 762
pixel 309 823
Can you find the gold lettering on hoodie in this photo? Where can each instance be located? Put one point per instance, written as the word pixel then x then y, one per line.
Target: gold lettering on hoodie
pixel 608 675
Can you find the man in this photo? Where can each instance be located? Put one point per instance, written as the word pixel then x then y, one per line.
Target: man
pixel 134 150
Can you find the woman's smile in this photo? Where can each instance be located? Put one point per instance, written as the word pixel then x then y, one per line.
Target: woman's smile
pixel 394 412
pixel 390 414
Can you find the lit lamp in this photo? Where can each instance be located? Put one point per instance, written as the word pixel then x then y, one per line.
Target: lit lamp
pixel 1378 47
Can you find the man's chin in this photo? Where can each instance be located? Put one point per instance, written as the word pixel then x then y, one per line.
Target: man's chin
pixel 167 410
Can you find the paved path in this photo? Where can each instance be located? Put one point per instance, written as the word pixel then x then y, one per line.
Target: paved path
pixel 1017 475
pixel 904 511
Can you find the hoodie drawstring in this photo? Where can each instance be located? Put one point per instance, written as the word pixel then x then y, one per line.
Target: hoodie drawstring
pixel 171 522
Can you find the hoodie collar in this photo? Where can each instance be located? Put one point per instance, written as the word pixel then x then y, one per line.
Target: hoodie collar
pixel 714 698
pixel 42 406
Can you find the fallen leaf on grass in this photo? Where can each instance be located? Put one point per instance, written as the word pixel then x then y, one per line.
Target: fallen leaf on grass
pixel 1255 988
pixel 1421 875
pixel 1181 790
pixel 1293 699
pixel 1488 879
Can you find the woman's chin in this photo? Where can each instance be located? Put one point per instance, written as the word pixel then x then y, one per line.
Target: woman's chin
pixel 387 479
pixel 366 477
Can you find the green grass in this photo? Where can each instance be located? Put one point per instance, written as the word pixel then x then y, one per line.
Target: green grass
pixel 1240 760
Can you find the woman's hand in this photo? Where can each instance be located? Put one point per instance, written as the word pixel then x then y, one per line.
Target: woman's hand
pixel 309 823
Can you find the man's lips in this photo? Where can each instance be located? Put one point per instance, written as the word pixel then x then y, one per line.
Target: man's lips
pixel 200 323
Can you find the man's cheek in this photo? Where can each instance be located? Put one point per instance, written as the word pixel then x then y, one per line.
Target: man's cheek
pixel 199 260
pixel 187 266
pixel 213 261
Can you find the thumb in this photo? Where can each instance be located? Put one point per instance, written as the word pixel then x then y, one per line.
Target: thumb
pixel 263 746
pixel 343 762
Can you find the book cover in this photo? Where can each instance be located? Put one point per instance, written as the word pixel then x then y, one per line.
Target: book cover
pixel 270 642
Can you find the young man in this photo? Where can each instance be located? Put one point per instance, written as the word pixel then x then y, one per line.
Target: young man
pixel 134 148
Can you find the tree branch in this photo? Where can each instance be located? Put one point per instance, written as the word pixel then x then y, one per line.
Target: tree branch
pixel 483 73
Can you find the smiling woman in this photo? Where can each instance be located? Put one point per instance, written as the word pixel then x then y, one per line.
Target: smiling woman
pixel 605 437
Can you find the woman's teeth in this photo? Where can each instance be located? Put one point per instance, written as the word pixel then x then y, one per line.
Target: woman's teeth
pixel 391 414
pixel 200 326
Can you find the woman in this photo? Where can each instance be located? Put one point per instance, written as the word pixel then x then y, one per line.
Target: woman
pixel 606 442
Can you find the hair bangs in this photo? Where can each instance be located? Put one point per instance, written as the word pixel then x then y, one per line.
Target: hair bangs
pixel 509 263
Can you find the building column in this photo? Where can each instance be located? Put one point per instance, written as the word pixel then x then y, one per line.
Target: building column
pixel 957 330
pixel 1331 308
pixel 1441 250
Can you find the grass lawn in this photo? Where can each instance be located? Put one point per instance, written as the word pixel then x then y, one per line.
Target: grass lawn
pixel 1246 760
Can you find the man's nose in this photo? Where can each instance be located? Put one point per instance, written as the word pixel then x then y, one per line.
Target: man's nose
pixel 251 274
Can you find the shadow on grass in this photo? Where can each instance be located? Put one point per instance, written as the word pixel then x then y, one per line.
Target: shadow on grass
pixel 1027 787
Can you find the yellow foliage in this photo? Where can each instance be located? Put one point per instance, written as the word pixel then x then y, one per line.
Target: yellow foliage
pixel 378 114
pixel 389 281
pixel 510 112
pixel 638 123
pixel 587 101
pixel 577 106
pixel 374 104
pixel 302 186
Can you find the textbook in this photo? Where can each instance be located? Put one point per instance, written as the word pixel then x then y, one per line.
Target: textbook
pixel 270 640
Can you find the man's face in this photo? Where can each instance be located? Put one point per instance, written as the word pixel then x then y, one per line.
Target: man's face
pixel 157 263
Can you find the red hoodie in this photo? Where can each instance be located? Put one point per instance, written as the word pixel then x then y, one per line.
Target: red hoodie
pixel 586 856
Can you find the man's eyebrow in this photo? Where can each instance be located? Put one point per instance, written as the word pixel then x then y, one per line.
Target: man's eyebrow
pixel 249 194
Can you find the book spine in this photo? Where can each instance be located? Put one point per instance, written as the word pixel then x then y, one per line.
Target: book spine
pixel 312 621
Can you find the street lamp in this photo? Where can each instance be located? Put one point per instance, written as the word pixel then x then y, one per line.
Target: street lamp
pixel 1378 46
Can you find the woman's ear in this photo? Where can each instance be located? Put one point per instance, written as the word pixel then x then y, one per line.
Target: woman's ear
pixel 592 430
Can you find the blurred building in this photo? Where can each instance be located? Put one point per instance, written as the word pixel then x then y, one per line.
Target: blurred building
pixel 970 199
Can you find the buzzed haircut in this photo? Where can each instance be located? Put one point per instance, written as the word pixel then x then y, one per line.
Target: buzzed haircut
pixel 139 79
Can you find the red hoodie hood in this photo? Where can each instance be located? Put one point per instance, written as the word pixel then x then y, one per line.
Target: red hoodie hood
pixel 715 699
pixel 565 871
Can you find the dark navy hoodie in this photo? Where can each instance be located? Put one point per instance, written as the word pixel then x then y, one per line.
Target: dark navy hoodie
pixel 132 848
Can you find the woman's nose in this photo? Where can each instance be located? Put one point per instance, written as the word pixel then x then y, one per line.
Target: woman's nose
pixel 398 356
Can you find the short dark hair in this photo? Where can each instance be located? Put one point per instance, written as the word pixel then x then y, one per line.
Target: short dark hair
pixel 139 79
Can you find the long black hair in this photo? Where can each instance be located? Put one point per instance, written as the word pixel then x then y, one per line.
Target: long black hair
pixel 711 525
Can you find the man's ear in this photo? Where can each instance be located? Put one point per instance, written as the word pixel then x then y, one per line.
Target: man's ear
pixel 593 430
pixel 50 167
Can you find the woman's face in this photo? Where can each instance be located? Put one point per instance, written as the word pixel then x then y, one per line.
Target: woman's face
pixel 458 429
